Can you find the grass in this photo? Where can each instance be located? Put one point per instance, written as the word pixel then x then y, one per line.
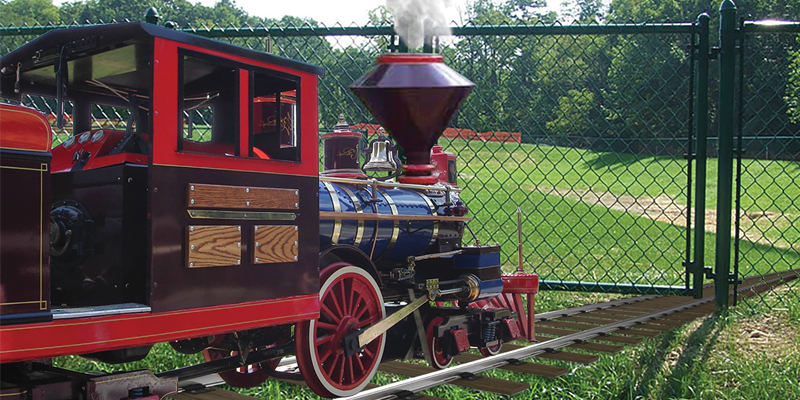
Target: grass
pixel 719 357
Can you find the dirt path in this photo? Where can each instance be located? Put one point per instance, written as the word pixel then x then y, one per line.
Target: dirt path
pixel 665 209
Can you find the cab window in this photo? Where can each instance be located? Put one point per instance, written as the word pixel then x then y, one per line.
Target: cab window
pixel 209 105
pixel 275 123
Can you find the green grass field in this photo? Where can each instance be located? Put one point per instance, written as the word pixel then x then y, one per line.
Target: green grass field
pixel 750 352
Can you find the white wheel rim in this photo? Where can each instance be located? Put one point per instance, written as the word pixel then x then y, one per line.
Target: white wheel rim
pixel 312 330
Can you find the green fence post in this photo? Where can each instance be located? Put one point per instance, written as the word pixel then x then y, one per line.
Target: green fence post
pixel 727 77
pixel 701 113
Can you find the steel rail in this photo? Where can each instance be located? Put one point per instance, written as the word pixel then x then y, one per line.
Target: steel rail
pixel 591 307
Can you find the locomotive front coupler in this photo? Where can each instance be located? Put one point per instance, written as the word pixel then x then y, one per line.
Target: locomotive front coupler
pixel 356 340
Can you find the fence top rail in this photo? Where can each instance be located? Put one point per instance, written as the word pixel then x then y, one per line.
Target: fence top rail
pixel 386 30
pixel 772 26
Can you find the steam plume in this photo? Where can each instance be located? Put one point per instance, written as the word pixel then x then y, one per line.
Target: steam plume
pixel 412 16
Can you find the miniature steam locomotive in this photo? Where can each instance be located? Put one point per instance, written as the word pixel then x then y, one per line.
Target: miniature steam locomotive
pixel 206 223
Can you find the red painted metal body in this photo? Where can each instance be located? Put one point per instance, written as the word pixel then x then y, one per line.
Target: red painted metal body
pixel 88 335
pixel 461 339
pixel 514 286
pixel 24 129
pixel 92 148
pixel 165 74
pixel 444 163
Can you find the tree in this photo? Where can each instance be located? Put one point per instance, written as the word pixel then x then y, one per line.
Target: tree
pixel 583 11
pixel 28 12
pixel 793 90
pixel 224 13
pixel 573 115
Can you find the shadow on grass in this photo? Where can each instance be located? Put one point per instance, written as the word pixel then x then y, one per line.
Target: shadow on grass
pixel 617 160
pixel 698 347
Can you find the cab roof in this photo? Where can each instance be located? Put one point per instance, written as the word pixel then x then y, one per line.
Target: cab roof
pixel 87 41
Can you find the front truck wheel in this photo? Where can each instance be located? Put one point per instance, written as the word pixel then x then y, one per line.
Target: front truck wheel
pixel 350 299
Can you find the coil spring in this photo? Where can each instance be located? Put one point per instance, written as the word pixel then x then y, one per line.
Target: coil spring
pixel 489 332
pixel 137 393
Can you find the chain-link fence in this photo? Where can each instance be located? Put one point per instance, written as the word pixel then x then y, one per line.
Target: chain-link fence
pixel 767 238
pixel 590 130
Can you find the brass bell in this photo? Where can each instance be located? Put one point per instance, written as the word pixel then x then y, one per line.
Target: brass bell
pixel 380 155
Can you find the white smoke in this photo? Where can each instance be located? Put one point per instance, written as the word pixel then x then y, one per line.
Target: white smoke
pixel 413 17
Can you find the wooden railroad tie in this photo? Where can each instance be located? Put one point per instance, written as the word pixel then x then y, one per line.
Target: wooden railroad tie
pixel 485 383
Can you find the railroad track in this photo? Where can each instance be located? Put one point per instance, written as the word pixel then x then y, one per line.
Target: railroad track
pixel 598 328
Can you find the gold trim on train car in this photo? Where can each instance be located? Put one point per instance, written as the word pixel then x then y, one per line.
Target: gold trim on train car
pixel 435 228
pixel 337 208
pixel 357 204
pixel 396 225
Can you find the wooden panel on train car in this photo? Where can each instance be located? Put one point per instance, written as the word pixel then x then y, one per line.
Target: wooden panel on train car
pixel 213 246
pixel 240 197
pixel 274 244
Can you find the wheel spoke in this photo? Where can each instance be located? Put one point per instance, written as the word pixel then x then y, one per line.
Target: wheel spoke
pixel 351 376
pixel 365 323
pixel 330 366
pixel 368 352
pixel 359 290
pixel 334 317
pixel 335 303
pixel 324 356
pixel 319 341
pixel 366 305
pixel 345 307
pixel 326 326
pixel 338 368
pixel 357 359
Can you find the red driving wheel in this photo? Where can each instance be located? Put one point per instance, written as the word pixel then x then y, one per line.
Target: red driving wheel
pixel 246 376
pixel 350 299
pixel 439 359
